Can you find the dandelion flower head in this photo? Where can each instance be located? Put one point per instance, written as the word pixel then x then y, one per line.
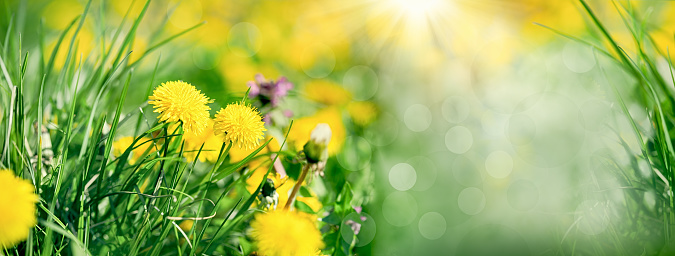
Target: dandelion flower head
pixel 240 124
pixel 286 233
pixel 17 201
pixel 180 101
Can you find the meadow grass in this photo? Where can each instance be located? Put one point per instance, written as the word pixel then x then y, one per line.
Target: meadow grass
pixel 59 125
pixel 635 78
pixel 77 189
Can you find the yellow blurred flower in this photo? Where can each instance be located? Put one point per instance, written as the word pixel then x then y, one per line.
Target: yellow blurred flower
pixel 240 124
pixel 140 45
pixel 283 13
pixel 302 129
pixel 327 92
pixel 664 31
pixel 185 14
pixel 311 201
pixel 186 225
pixel 362 112
pixel 330 29
pixel 560 15
pixel 180 101
pixel 17 201
pixel 122 6
pixel 274 44
pixel 58 14
pixel 143 145
pixel 237 154
pixel 226 10
pixel 121 145
pixel 84 44
pixel 305 52
pixel 193 142
pixel 285 233
pixel 213 34
pixel 259 168
pixel 238 69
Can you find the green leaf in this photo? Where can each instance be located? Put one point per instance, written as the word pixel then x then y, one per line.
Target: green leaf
pixel 303 207
pixel 79 249
pixel 332 219
pixel 304 192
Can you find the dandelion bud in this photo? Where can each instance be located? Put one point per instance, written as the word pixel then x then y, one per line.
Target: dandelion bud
pixel 316 149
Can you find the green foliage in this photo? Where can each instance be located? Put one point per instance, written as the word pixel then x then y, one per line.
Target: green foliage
pixel 650 227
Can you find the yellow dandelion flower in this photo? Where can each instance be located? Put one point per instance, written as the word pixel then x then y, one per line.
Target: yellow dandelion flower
pixel 18 195
pixel 286 233
pixel 327 92
pixel 179 101
pixel 194 141
pixel 241 124
pixel 362 112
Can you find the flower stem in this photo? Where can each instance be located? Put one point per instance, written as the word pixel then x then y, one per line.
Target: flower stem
pixel 298 184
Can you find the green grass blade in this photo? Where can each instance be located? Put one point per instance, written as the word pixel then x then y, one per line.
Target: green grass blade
pixel 147 93
pixel 111 135
pixel 64 232
pixel 132 32
pixel 12 89
pixel 615 46
pixel 50 63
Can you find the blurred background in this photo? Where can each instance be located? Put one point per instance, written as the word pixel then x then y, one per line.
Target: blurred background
pixel 470 129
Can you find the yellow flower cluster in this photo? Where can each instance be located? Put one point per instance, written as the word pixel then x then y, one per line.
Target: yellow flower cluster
pixel 237 123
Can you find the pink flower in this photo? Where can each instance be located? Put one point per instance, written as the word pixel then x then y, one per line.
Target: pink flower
pixel 269 91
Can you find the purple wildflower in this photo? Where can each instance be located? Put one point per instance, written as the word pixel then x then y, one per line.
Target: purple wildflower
pixel 356 227
pixel 270 91
pixel 267 119
pixel 288 113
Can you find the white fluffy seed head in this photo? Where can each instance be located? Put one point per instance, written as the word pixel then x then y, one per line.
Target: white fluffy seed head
pixel 321 134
